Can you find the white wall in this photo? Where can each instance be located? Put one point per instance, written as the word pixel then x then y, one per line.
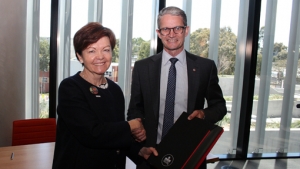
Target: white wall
pixel 12 65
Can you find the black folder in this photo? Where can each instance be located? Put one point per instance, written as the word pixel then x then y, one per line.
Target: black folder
pixel 187 144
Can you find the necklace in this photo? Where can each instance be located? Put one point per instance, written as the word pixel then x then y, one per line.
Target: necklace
pixel 103 86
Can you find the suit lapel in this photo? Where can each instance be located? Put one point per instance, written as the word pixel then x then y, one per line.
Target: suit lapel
pixel 193 71
pixel 154 72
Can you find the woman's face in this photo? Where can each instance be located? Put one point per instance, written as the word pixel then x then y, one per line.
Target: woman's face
pixel 97 56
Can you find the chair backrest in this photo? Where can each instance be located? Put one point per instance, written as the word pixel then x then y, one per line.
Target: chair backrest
pixel 32 131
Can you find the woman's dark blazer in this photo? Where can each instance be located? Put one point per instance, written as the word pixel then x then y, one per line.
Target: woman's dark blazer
pixel 91 128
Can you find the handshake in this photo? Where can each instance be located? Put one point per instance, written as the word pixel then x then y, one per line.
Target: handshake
pixel 139 133
pixel 137 129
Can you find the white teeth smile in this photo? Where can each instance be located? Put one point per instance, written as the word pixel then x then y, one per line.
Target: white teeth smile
pixel 172 40
pixel 99 64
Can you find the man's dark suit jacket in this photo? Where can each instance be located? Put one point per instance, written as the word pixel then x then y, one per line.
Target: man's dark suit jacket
pixel 145 92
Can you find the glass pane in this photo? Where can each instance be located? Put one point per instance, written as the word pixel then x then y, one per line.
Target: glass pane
pixel 141 33
pixel 177 3
pixel 226 44
pixel 45 7
pixel 227 57
pixel 275 125
pixel 112 20
pixel 79 18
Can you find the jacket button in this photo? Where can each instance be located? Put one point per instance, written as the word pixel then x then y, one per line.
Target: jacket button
pixel 118 151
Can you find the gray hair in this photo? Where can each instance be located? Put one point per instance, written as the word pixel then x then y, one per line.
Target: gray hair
pixel 172 10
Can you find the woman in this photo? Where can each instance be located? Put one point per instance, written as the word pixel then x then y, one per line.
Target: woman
pixel 91 127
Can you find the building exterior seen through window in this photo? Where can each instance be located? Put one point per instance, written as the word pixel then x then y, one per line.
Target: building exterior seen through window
pixel 44 58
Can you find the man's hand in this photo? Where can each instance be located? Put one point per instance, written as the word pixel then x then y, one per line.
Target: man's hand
pixel 139 134
pixel 147 151
pixel 137 129
pixel 197 113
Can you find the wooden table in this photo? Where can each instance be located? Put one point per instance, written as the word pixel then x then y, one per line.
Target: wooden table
pixel 40 156
pixel 33 156
pixel 210 158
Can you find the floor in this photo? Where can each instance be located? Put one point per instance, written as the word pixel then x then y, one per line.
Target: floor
pixel 292 163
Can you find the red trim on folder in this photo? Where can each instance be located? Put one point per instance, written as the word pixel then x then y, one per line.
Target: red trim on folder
pixel 195 150
pixel 207 151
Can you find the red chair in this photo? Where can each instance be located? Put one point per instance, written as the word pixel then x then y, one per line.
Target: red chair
pixel 32 131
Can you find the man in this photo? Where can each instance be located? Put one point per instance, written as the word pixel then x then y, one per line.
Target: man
pixel 196 81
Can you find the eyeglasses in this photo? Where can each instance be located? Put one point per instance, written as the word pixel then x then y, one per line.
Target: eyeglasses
pixel 176 30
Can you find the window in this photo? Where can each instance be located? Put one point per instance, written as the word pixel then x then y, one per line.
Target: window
pixel 79 18
pixel 219 31
pixel 214 35
pixel 44 58
pixel 275 123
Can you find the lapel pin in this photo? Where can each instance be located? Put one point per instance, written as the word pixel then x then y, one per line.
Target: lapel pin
pixel 194 70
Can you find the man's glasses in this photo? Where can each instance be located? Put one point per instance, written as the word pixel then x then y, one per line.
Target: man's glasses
pixel 176 30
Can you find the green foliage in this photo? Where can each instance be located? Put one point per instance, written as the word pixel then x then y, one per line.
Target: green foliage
pixel 199 45
pixel 227 51
pixel 136 45
pixel 140 48
pixel 228 98
pixel 199 42
pixel 44 105
pixel 276 124
pixel 261 37
pixel 273 125
pixel 259 53
pixel 295 124
pixel 255 97
pixel 258 64
pixel 279 63
pixel 275 97
pixel 144 50
pixel 280 54
pixel 278 47
pixel 271 97
pixel 115 54
pixel 44 54
pixel 225 121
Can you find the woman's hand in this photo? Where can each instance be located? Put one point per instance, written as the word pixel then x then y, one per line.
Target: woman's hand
pixel 147 151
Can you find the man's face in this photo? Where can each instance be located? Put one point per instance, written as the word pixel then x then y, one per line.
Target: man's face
pixel 174 41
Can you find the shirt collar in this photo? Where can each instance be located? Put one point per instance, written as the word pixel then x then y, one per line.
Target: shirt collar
pixel 166 57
